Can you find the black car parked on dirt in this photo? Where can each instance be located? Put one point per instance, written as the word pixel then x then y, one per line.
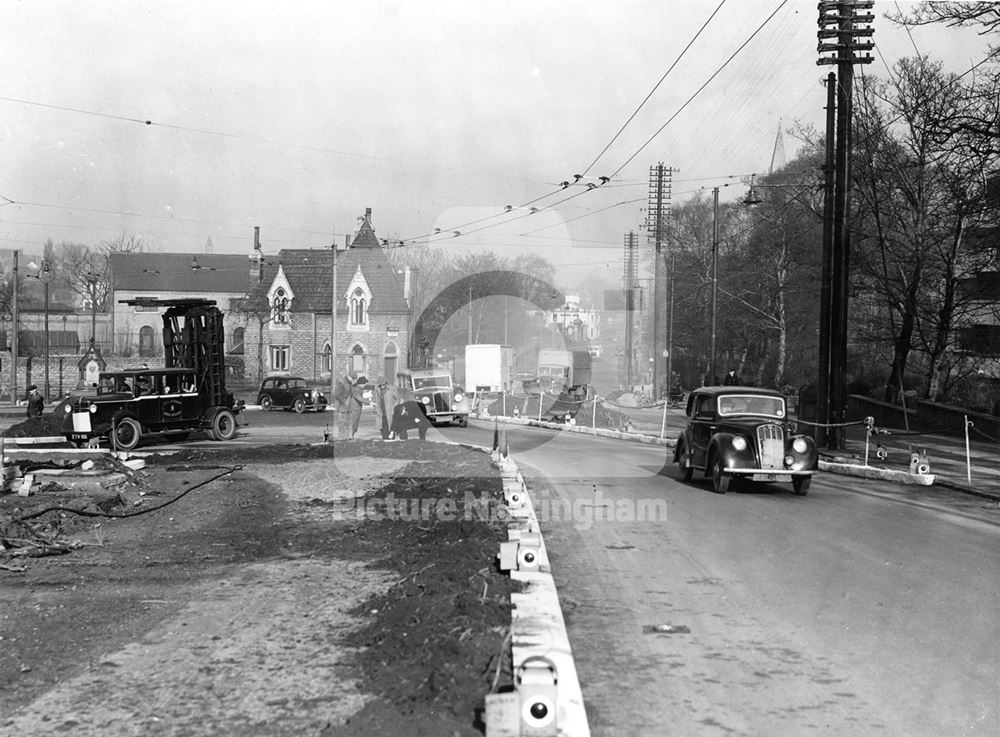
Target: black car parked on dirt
pixel 290 393
pixel 743 433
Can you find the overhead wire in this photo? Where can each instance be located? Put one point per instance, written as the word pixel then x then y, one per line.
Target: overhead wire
pixel 699 90
pixel 655 87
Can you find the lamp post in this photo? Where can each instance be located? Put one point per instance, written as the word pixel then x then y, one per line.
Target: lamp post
pixel 45 275
pixel 92 281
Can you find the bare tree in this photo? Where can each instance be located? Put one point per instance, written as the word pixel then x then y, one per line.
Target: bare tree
pixel 917 188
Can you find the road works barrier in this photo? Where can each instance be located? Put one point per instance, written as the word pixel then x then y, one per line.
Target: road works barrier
pixel 546 700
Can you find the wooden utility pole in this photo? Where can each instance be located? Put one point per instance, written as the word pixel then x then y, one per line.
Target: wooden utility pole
pixel 840 20
pixel 712 371
pixel 13 336
pixel 829 168
pixel 659 207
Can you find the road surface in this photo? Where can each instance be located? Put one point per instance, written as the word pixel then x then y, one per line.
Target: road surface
pixel 760 612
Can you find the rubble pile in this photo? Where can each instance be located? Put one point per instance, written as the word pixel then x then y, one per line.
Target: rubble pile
pixel 51 490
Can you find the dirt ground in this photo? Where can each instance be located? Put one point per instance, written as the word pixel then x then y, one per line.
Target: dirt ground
pixel 331 590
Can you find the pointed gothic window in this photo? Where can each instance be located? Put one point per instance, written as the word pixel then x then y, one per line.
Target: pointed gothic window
pixel 359 308
pixel 280 306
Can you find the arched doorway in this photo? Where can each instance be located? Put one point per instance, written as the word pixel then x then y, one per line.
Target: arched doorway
pixel 390 362
pixel 356 360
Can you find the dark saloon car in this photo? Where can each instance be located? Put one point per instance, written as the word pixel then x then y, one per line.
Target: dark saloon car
pixel 743 432
pixel 290 393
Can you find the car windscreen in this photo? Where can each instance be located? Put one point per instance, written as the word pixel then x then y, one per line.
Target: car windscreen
pixel 431 382
pixel 296 383
pixel 750 404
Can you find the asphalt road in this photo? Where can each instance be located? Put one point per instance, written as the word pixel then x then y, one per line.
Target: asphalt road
pixel 760 612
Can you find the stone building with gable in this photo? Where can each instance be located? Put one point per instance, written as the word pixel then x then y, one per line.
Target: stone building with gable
pixel 286 316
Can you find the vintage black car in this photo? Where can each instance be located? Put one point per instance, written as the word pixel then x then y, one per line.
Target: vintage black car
pixel 743 432
pixel 290 393
pixel 442 401
pixel 134 403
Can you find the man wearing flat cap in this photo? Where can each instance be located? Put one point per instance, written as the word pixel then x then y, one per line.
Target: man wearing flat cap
pixel 36 404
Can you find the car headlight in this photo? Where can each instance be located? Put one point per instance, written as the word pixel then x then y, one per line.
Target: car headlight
pixel 739 443
pixel 459 396
pixel 67 408
pixel 426 400
pixel 799 445
pixel 93 409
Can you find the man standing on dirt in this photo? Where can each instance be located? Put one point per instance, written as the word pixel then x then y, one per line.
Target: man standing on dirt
pixel 36 403
pixel 347 402
pixel 385 402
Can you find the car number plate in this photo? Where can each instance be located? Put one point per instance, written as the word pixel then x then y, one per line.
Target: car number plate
pixel 770 477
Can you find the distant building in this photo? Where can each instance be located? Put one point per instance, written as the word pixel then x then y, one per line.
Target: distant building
pixel 137 330
pixel 579 325
pixel 286 315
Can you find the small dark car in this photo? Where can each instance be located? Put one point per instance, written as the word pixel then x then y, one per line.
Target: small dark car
pixel 743 432
pixel 290 393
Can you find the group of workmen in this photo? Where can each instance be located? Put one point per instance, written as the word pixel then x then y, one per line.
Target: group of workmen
pixel 395 413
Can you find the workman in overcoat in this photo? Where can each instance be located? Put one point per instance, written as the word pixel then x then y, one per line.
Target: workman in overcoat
pixel 36 403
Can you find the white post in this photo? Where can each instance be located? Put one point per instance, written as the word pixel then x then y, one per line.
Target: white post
pixel 968 454
pixel 541 396
pixel 663 424
pixel 868 437
pixel 593 417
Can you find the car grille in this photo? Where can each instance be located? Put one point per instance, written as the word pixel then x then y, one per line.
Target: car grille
pixel 439 402
pixel 771 443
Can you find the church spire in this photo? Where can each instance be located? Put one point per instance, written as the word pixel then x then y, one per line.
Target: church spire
pixel 778 153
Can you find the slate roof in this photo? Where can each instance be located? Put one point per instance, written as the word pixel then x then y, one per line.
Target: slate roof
pixel 172 272
pixel 310 272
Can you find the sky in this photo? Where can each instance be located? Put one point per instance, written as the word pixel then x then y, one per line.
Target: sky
pixel 189 122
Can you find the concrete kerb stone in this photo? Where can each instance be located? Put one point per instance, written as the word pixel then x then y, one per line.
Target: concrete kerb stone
pixel 537 625
pixel 845 469
pixel 873 472
pixel 593 432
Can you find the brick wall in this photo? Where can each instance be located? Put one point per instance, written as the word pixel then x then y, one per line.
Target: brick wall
pixel 307 335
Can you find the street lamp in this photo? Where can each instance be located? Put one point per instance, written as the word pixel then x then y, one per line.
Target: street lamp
pixel 45 275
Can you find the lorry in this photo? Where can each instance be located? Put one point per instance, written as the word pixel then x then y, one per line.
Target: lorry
pixel 560 370
pixel 489 368
pixel 187 394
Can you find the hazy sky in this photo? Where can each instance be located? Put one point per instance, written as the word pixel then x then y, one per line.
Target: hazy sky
pixel 438 115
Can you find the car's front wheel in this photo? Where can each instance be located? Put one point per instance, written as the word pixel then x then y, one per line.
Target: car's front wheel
pixel 720 479
pixel 299 405
pixel 127 432
pixel 266 403
pixel 801 484
pixel 684 464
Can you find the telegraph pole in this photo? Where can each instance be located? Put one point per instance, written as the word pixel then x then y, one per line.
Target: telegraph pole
pixel 840 20
pixel 712 371
pixel 659 208
pixel 829 167
pixel 629 288
pixel 13 336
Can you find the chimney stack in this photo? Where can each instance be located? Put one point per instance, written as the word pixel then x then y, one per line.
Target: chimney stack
pixel 256 258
